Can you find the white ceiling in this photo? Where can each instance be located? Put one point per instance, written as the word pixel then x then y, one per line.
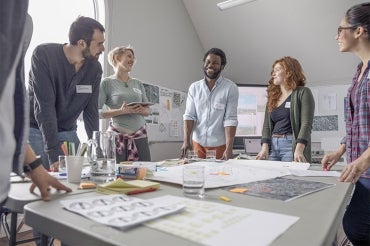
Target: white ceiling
pixel 256 34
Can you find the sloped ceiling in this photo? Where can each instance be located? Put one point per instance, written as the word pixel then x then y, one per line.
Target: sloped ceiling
pixel 256 34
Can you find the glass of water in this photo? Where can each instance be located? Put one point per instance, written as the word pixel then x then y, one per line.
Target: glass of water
pixel 192 155
pixel 211 155
pixel 193 181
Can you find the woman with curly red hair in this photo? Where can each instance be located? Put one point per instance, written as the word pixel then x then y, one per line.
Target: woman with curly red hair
pixel 286 134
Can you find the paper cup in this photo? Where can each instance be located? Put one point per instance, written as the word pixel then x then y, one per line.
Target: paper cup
pixel 74 168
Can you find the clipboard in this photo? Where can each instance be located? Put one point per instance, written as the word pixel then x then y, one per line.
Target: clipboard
pixel 142 103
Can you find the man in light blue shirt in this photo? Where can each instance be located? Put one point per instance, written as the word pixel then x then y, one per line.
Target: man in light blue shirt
pixel 210 118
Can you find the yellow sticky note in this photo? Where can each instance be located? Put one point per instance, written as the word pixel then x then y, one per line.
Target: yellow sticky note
pixel 239 190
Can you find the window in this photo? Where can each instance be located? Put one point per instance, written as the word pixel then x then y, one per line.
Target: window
pixel 251 109
pixel 52 25
pixel 51 22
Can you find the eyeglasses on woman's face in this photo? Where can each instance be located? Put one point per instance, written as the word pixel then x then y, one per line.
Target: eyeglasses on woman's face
pixel 341 28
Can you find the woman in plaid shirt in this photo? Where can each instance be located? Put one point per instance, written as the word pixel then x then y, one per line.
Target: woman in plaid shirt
pixel 353 36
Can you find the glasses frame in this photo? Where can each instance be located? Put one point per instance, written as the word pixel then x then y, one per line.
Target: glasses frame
pixel 340 29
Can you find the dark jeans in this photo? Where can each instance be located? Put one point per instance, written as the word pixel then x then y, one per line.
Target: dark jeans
pixel 356 220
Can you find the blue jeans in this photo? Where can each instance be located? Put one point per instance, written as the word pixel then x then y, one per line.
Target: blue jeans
pixel 281 149
pixel 356 220
pixel 37 143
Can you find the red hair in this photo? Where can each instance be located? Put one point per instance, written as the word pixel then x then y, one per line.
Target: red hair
pixel 294 77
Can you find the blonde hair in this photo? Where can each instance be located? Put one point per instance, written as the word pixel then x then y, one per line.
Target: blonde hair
pixel 118 51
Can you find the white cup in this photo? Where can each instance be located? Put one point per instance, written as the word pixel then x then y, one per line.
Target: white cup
pixel 74 168
pixel 211 155
pixel 193 181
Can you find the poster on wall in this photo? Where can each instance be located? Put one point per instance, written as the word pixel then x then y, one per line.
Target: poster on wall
pixel 165 122
pixel 325 123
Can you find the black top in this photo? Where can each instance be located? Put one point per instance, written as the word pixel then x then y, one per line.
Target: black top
pixel 280 117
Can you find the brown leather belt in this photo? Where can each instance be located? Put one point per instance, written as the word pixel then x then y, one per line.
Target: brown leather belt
pixel 276 135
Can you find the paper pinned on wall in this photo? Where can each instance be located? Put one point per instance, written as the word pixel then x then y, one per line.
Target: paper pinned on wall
pixel 327 101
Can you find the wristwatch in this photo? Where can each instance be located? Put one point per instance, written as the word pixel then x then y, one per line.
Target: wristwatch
pixel 29 167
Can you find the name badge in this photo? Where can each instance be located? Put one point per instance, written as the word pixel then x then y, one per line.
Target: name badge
pixel 219 106
pixel 287 105
pixel 137 91
pixel 83 88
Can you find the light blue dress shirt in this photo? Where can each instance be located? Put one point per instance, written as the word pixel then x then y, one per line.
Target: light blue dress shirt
pixel 212 111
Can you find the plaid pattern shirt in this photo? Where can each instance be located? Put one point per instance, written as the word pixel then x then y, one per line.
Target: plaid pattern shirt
pixel 132 153
pixel 357 117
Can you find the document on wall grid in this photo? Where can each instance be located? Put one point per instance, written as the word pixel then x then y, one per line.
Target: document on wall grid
pixel 217 224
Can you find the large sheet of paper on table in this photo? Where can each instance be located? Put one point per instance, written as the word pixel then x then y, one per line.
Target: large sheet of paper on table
pixel 217 224
pixel 231 172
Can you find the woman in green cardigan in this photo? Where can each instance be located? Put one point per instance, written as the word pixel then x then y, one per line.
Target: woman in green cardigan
pixel 286 134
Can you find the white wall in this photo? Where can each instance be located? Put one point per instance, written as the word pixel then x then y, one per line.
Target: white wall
pixel 254 35
pixel 169 51
pixel 167 48
pixel 330 140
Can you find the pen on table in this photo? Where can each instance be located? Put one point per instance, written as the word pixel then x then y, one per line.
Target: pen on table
pixel 134 192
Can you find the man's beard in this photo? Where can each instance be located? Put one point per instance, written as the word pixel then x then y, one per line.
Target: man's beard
pixel 214 75
pixel 88 56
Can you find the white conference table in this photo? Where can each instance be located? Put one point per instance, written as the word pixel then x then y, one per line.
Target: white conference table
pixel 320 214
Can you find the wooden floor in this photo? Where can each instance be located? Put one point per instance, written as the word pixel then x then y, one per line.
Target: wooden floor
pixel 22 236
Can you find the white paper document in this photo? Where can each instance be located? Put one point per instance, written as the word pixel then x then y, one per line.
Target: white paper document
pixel 216 224
pixel 312 173
pixel 120 210
pixel 231 172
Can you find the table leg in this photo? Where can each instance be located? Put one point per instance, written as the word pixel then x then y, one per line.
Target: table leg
pixel 13 229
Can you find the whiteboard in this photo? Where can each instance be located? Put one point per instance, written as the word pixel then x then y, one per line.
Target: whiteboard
pixel 165 124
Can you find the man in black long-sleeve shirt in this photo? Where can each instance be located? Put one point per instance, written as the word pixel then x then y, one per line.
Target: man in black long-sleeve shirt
pixel 64 81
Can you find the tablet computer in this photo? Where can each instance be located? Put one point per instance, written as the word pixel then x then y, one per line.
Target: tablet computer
pixel 142 103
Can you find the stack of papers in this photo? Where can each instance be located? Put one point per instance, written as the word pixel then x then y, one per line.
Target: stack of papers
pixel 119 186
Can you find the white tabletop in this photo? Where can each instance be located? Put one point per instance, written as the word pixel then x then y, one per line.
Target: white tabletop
pixel 320 213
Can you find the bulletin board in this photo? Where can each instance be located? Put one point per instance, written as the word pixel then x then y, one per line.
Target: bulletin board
pixel 165 124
